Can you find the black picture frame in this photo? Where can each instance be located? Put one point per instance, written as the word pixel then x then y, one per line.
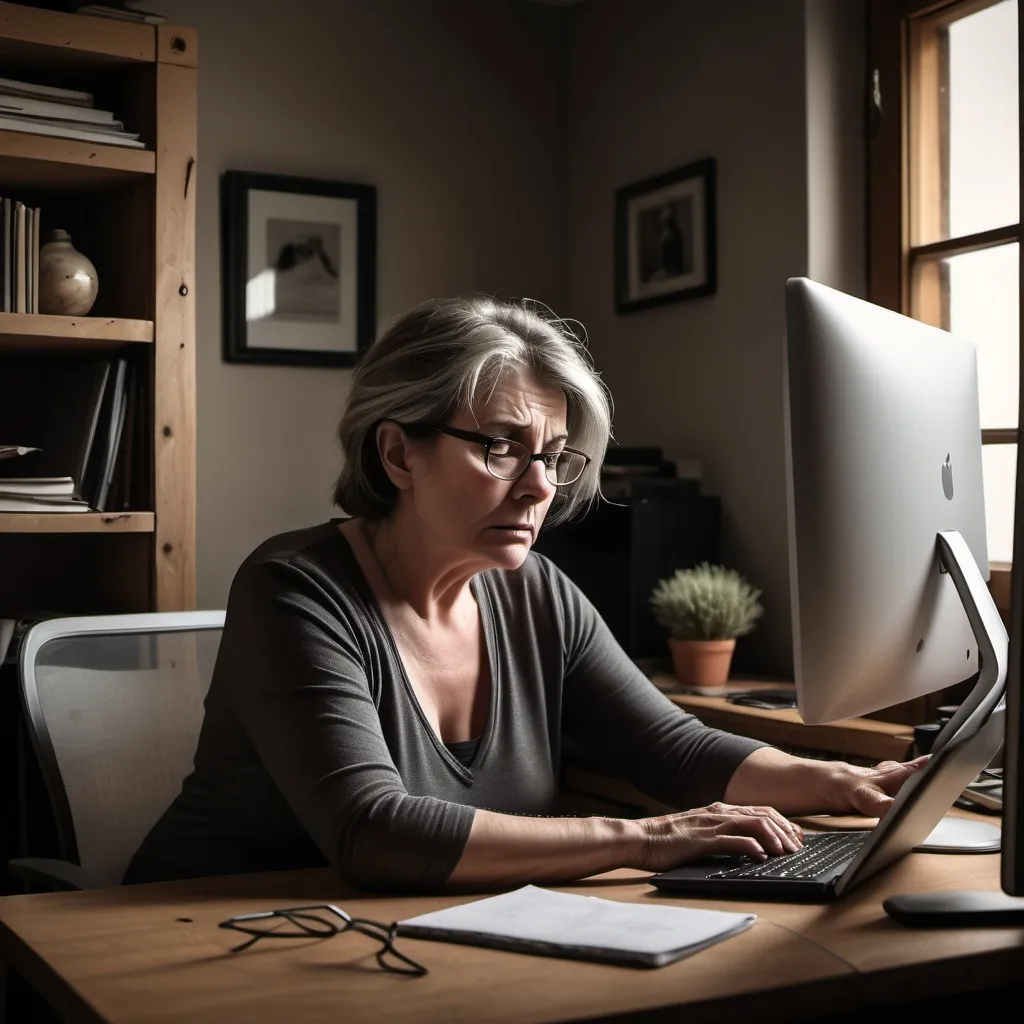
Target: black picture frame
pixel 665 247
pixel 322 234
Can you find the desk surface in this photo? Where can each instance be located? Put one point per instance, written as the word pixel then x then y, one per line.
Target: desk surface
pixel 154 953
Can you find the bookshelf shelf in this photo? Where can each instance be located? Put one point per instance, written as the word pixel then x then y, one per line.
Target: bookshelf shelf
pixel 77 522
pixel 48 161
pixel 71 41
pixel 39 332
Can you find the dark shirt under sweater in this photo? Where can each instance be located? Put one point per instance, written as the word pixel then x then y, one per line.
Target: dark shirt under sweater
pixel 314 749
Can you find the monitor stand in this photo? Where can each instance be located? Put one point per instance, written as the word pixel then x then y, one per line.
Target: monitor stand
pixel 962 835
pixel 963 908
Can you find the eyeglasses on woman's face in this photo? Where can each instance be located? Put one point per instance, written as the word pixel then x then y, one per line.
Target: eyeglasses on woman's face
pixel 509 460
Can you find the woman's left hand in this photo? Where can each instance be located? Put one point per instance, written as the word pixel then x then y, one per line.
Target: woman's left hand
pixel 800 786
pixel 851 789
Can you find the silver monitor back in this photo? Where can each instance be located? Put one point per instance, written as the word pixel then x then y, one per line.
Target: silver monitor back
pixel 883 443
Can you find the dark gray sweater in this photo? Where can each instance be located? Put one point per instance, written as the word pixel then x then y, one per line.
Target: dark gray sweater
pixel 314 749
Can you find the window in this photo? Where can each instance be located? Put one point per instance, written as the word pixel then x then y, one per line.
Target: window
pixel 944 207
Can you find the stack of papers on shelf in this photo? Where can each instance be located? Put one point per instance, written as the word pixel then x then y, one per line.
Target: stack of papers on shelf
pixel 121 13
pixel 69 113
pixel 75 420
pixel 548 923
pixel 39 494
pixel 41 506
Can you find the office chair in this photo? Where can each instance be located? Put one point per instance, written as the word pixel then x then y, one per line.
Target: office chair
pixel 113 706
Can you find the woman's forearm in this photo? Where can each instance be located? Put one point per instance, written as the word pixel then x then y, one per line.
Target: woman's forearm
pixel 800 785
pixel 509 849
pixel 792 785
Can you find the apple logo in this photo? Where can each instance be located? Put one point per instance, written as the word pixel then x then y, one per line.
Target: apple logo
pixel 947 478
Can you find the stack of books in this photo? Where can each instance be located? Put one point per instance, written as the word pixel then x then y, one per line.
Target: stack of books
pixel 40 494
pixel 74 422
pixel 69 113
pixel 643 473
pixel 19 257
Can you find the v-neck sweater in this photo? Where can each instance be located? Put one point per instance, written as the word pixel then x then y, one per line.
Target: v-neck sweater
pixel 314 749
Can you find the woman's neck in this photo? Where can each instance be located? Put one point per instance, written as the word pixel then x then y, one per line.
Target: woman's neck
pixel 406 569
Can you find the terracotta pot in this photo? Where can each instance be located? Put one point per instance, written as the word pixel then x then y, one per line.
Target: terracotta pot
pixel 702 664
pixel 67 279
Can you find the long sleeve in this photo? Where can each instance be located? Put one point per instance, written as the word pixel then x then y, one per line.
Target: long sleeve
pixel 626 725
pixel 296 667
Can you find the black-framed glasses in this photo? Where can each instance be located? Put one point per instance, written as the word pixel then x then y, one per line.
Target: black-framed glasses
pixel 322 921
pixel 509 460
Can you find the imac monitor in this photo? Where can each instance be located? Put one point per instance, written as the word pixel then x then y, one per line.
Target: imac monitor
pixel 885 452
pixel 888 562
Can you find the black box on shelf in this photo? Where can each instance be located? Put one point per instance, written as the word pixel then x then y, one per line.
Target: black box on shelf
pixel 617 553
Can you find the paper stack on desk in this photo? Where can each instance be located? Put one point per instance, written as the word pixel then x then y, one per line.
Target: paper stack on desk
pixel 547 923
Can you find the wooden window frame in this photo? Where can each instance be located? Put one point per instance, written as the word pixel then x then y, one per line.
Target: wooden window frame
pixel 901 236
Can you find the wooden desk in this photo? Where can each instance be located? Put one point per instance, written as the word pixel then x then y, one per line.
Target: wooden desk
pixel 154 954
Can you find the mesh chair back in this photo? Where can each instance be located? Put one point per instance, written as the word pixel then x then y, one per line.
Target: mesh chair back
pixel 114 705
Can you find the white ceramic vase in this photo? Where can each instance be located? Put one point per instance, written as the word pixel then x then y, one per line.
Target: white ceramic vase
pixel 67 279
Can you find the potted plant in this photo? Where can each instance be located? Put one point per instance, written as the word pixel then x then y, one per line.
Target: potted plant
pixel 705 609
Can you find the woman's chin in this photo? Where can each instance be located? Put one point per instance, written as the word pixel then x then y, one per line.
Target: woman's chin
pixel 508 548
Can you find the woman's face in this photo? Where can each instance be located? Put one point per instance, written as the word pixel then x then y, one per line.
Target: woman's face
pixel 475 516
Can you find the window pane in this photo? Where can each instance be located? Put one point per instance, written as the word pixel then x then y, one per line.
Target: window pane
pixel 984 167
pixel 984 307
pixel 999 466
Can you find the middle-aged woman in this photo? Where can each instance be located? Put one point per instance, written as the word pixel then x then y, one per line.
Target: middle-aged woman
pixel 393 690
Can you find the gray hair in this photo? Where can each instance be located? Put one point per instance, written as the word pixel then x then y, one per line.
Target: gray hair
pixel 438 359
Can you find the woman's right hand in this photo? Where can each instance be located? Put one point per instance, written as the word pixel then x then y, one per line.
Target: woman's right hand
pixel 757 832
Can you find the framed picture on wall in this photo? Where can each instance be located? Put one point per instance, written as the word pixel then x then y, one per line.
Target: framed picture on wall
pixel 299 261
pixel 665 238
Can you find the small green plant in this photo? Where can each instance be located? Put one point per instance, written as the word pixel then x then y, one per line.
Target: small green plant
pixel 708 602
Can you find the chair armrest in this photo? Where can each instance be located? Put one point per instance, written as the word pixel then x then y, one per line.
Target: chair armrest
pixel 61 873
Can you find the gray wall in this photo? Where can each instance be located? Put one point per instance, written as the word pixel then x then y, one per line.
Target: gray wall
pixel 836 103
pixel 452 108
pixel 656 84
pixel 497 133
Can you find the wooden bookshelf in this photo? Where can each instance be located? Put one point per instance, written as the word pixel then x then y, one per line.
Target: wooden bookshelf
pixel 130 212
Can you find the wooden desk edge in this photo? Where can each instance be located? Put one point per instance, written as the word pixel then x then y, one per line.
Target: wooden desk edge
pixel 59 993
